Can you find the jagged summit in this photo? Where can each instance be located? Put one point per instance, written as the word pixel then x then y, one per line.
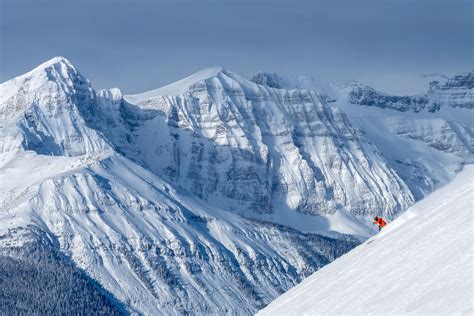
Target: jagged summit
pixel 45 111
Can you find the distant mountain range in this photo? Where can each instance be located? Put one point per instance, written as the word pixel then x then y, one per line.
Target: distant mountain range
pixel 216 193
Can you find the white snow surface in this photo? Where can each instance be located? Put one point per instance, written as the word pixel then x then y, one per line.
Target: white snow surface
pixel 421 263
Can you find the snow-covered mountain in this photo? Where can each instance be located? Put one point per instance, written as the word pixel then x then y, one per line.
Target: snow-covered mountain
pixel 214 194
pixel 155 250
pixel 426 143
pixel 425 139
pixel 296 151
pixel 421 263
pixel 259 150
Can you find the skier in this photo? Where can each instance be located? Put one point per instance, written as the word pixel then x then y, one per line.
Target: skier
pixel 379 220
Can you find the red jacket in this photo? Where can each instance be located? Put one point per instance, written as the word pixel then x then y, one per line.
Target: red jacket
pixel 380 222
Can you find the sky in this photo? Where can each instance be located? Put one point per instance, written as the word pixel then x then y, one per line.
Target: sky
pixel 143 44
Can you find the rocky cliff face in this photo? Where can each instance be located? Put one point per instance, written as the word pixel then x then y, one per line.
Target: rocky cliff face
pixel 453 92
pixel 364 95
pixel 230 141
pixel 457 91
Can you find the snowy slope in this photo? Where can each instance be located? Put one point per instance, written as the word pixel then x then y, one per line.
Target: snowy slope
pixel 154 249
pixel 421 263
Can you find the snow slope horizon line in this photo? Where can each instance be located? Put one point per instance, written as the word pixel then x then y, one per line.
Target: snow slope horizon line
pixel 419 264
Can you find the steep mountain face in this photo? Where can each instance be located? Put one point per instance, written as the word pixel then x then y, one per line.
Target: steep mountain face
pixel 420 264
pixel 437 133
pixel 245 146
pixel 43 111
pixel 153 249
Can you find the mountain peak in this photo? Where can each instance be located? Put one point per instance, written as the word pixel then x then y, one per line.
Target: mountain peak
pixel 57 69
pixel 59 63
pixel 178 87
pixel 54 61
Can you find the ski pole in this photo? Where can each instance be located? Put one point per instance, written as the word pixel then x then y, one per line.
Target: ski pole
pixel 371 228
